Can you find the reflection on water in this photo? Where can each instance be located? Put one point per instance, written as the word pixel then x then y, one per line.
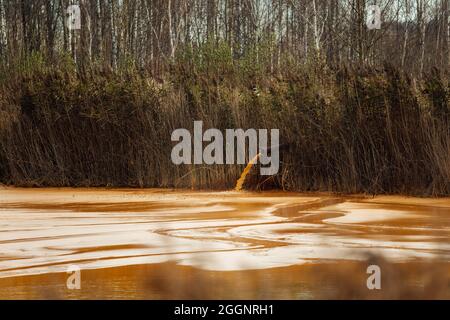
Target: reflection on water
pixel 136 243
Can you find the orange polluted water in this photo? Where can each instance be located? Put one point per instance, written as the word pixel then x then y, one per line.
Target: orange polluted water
pixel 158 244
pixel 241 181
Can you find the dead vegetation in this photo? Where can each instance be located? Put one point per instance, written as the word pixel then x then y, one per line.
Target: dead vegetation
pixel 348 130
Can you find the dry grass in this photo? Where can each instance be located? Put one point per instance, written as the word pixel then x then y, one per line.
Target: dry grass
pixel 373 131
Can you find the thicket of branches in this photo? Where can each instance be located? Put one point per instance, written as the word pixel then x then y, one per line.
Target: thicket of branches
pixel 364 130
pixel 414 35
pixel 361 110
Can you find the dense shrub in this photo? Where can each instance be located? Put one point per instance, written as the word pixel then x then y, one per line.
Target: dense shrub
pixel 347 130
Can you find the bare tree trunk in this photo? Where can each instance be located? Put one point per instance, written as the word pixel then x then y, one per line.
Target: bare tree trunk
pixel 316 30
pixel 2 32
pixel 305 34
pixel 211 19
pixel 421 11
pixel 171 41
pixel 447 21
pixel 406 34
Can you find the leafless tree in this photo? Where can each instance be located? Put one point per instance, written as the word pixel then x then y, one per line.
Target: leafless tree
pixel 415 34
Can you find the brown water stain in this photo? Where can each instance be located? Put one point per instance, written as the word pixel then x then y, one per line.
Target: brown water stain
pixel 134 243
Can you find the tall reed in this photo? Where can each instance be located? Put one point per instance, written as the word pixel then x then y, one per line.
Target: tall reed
pixel 348 130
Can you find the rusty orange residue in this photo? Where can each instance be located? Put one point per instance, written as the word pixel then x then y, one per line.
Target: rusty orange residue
pixel 244 174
